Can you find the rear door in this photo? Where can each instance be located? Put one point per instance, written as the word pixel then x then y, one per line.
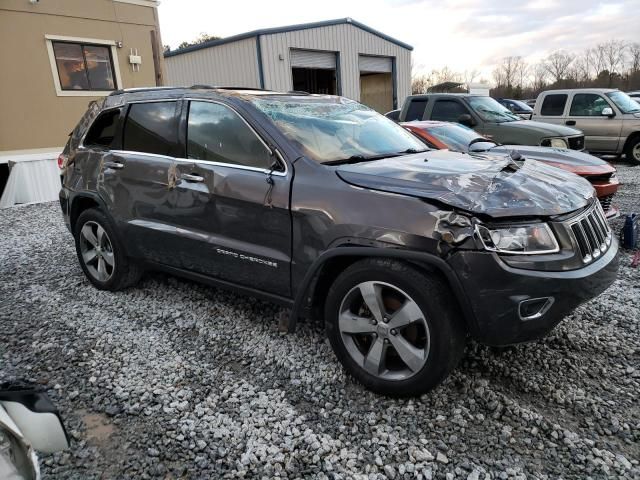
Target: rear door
pixel 231 207
pixel 552 108
pixel 138 180
pixel 601 133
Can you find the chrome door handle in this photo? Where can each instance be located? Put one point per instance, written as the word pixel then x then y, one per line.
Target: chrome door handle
pixel 191 178
pixel 114 165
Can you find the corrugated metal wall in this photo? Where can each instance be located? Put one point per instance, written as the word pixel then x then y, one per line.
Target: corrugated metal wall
pixel 347 39
pixel 231 64
pixel 236 63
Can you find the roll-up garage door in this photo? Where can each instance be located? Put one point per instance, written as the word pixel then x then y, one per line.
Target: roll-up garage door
pixel 375 64
pixel 313 59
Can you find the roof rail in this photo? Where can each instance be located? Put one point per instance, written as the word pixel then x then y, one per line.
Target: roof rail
pixel 298 92
pixel 140 89
pixel 226 87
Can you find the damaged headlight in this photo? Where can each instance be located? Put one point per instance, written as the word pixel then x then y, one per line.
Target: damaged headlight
pixel 526 239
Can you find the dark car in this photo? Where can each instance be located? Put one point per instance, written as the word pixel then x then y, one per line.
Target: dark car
pixel 459 138
pixel 517 107
pixel 334 211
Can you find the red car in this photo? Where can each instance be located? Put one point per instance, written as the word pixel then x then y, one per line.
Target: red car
pixel 456 137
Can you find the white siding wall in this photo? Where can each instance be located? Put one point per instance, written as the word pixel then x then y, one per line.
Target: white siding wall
pixel 236 63
pixel 347 39
pixel 231 64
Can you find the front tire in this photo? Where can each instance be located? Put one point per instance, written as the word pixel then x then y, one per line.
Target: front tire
pixel 394 328
pixel 101 254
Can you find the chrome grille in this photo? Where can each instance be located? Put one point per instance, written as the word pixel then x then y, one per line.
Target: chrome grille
pixel 591 233
pixel 606 202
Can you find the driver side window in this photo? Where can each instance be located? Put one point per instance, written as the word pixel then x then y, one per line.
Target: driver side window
pixel 447 110
pixel 218 134
pixel 587 105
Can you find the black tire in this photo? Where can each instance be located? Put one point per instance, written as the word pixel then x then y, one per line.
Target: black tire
pixel 446 329
pixel 632 152
pixel 124 273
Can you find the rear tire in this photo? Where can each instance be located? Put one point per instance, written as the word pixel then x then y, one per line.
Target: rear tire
pixel 101 254
pixel 410 339
pixel 633 150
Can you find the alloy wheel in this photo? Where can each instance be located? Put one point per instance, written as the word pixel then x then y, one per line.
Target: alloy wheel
pixel 384 330
pixel 636 152
pixel 97 251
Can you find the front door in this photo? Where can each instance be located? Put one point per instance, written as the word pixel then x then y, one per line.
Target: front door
pixel 601 132
pixel 232 201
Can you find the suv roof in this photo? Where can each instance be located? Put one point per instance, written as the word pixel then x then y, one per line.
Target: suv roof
pixel 569 90
pixel 425 95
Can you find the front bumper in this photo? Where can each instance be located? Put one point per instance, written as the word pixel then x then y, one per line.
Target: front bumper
pixel 496 293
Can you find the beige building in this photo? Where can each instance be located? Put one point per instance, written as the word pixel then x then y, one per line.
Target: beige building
pixel 58 55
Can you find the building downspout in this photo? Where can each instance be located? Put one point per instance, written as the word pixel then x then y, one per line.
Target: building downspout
pixel 259 55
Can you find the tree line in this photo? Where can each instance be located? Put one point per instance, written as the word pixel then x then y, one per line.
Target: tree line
pixel 611 64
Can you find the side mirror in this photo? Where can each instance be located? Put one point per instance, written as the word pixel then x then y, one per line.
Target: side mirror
pixel 466 120
pixel 35 416
pixel 608 112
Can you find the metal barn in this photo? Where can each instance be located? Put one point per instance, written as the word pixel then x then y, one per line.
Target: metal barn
pixel 338 57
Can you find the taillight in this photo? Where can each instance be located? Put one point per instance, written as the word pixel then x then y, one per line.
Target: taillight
pixel 62 161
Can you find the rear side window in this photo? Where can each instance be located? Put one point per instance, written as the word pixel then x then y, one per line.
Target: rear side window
pixel 151 128
pixel 448 110
pixel 553 105
pixel 218 134
pixel 103 130
pixel 416 110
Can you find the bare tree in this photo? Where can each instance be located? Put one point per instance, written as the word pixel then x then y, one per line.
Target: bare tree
pixel 419 84
pixel 634 57
pixel 506 73
pixel 613 55
pixel 539 77
pixel 557 65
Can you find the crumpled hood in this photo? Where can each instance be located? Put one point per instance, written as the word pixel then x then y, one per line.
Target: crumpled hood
pixel 482 184
pixel 571 158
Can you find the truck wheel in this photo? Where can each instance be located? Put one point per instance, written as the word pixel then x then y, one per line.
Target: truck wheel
pixel 101 254
pixel 633 150
pixel 394 328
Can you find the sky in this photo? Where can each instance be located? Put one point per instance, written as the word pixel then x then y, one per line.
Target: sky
pixel 464 35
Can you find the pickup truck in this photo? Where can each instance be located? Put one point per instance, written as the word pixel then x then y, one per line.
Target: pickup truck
pixel 609 118
pixel 486 116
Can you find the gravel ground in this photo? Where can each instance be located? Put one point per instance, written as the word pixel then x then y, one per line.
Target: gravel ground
pixel 176 380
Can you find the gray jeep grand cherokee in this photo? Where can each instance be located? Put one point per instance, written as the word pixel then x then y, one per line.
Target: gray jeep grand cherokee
pixel 325 206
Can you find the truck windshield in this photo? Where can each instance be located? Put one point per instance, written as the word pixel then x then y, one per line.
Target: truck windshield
pixel 624 102
pixel 490 110
pixel 334 129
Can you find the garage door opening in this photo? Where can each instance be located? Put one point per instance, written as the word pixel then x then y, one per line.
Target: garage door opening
pixel 376 82
pixel 314 80
pixel 314 71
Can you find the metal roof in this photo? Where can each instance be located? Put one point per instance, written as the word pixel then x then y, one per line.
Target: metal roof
pixel 289 28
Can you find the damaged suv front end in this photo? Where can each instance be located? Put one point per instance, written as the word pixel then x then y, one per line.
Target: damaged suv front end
pixel 527 243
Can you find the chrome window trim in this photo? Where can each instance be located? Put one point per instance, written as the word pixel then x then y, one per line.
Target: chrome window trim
pixel 235 165
pixel 144 154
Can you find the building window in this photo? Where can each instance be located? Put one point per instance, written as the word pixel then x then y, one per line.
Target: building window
pixel 84 67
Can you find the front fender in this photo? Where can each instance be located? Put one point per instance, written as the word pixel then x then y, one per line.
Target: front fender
pixel 368 252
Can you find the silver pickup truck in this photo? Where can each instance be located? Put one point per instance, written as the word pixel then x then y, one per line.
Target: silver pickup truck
pixel 609 118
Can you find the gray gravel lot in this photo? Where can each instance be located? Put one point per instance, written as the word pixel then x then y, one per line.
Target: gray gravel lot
pixel 176 380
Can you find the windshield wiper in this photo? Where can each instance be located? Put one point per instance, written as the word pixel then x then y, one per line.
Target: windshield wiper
pixel 362 158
